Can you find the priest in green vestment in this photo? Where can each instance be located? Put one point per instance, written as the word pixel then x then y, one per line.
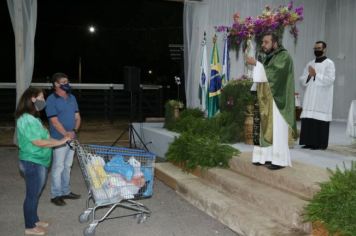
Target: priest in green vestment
pixel 274 80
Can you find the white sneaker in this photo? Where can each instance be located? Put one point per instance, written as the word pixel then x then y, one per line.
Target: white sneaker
pixel 42 224
pixel 35 231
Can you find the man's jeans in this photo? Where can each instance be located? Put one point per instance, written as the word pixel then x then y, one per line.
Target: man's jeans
pixel 35 178
pixel 60 173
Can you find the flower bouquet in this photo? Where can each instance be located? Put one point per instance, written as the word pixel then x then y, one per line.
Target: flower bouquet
pixel 271 20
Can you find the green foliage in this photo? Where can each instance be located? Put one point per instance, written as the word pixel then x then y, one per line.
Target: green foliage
pixel 234 100
pixel 236 96
pixel 193 150
pixel 201 138
pixel 189 119
pixel 335 204
pixel 228 124
pixel 228 128
pixel 194 112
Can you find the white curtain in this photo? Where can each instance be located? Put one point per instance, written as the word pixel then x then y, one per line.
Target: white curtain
pixel 341 39
pixel 331 21
pixel 23 15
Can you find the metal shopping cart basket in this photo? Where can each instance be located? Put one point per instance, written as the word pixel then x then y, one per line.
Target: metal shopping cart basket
pixel 115 177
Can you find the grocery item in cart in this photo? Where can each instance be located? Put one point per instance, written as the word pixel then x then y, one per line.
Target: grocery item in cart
pixel 118 165
pixel 96 170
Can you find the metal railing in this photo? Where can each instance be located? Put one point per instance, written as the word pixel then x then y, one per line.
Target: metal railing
pixel 108 101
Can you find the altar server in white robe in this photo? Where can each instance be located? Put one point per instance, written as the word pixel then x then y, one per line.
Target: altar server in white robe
pixel 318 78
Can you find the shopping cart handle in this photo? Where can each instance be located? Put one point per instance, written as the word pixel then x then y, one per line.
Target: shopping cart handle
pixel 70 144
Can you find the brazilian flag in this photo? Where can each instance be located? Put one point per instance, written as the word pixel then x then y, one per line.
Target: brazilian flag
pixel 214 82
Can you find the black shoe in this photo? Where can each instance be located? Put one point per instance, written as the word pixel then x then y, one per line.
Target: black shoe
pixel 58 201
pixel 71 196
pixel 257 164
pixel 275 167
pixel 318 148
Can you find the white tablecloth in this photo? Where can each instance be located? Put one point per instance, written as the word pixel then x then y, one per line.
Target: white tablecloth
pixel 351 121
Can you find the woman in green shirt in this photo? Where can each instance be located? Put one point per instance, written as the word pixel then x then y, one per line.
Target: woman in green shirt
pixel 35 155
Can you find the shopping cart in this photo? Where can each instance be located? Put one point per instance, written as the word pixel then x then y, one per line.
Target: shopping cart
pixel 115 177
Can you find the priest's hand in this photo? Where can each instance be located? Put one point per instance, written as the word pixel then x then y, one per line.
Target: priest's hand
pixel 312 71
pixel 250 61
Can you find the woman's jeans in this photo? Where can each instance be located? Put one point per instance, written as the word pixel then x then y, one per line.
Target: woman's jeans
pixel 35 178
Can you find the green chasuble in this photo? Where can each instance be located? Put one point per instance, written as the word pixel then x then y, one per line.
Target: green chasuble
pixel 280 88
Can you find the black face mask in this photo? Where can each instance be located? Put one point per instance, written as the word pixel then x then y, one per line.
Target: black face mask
pixel 318 53
pixel 66 87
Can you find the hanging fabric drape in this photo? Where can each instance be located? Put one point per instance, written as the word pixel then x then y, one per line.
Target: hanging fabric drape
pixel 23 15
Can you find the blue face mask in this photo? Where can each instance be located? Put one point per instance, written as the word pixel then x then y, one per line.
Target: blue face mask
pixel 66 87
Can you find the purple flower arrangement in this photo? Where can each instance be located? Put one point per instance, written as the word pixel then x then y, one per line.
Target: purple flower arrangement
pixel 271 20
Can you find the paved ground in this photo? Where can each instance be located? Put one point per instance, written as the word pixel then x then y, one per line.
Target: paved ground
pixel 171 215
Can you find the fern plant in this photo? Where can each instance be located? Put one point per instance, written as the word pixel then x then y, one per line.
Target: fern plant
pixel 335 204
pixel 201 138
pixel 193 150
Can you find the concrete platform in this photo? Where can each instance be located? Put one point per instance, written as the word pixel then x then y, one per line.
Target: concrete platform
pixel 301 180
pixel 273 202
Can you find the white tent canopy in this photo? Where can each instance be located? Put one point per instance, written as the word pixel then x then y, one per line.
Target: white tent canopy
pixel 331 21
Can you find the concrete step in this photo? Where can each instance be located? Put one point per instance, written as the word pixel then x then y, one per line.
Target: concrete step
pixel 238 214
pixel 285 207
pixel 301 179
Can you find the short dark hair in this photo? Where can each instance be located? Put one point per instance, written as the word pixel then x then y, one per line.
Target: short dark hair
pixel 275 37
pixel 322 42
pixel 26 105
pixel 57 76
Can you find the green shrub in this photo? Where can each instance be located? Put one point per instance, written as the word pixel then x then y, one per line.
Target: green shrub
pixel 335 204
pixel 188 120
pixel 228 128
pixel 194 112
pixel 201 138
pixel 236 96
pixel 234 100
pixel 228 124
pixel 193 150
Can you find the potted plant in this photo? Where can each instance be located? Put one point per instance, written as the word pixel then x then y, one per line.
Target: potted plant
pixel 172 108
pixel 334 206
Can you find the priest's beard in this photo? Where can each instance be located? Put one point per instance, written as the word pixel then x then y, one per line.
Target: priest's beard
pixel 269 51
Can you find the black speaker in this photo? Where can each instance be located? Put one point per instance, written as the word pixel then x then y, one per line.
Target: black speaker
pixel 132 77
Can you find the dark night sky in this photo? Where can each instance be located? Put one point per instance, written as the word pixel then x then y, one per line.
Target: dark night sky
pixel 135 33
